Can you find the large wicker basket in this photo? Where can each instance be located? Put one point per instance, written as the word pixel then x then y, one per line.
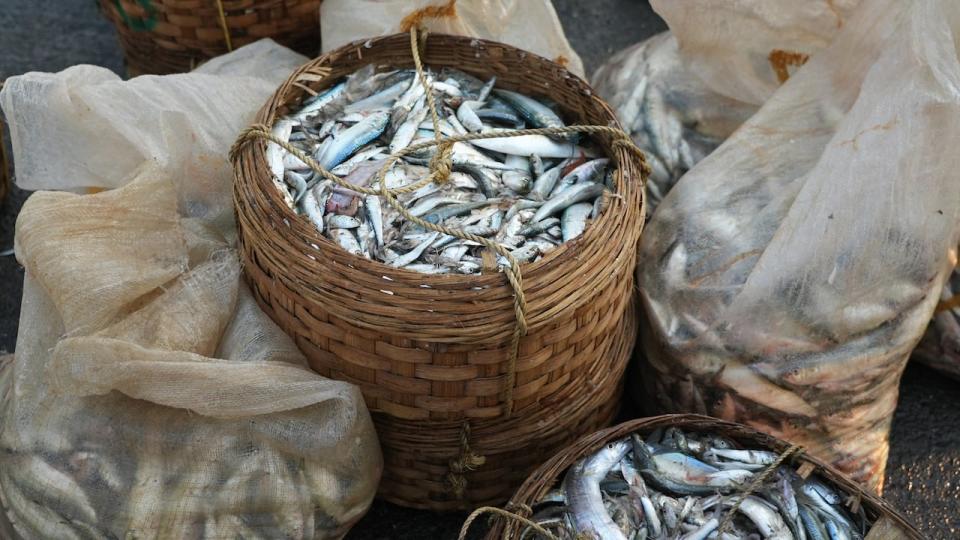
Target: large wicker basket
pixel 550 473
pixel 430 353
pixel 174 36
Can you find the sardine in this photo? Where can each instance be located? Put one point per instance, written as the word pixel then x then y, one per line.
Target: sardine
pixel 371 204
pixel 347 142
pixel 577 193
pixel 574 220
pixel 534 112
pixel 346 240
pixel 545 182
pixel 415 253
pixel 315 103
pixel 581 487
pixel 525 145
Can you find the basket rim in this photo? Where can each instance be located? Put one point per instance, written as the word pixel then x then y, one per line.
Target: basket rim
pixel 291 247
pixel 541 480
pixel 268 115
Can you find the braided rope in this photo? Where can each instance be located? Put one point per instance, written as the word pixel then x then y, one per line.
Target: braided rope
pixel 755 484
pixel 506 514
pixel 468 460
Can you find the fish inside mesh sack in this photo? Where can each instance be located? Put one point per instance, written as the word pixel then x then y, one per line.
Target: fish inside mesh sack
pixel 677 119
pixel 151 397
pixel 683 92
pixel 792 271
pixel 669 112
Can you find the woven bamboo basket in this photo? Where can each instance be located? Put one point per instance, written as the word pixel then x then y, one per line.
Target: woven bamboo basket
pixel 550 473
pixel 431 352
pixel 174 36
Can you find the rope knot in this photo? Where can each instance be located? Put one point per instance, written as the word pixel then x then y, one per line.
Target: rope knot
pixel 468 460
pixel 519 509
pixel 441 164
pixel 249 133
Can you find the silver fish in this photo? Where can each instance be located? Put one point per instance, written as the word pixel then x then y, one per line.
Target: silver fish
pixel 405 133
pixel 581 487
pixel 371 204
pixel 321 100
pixel 539 226
pixel 337 221
pixel 347 142
pixel 577 193
pixel 347 241
pixel 415 253
pixel 534 112
pixel 586 172
pixel 545 182
pixel 574 220
pixel 380 100
pixel 525 145
pixel 469 118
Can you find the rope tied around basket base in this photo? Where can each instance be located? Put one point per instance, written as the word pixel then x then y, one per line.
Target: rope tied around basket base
pixel 466 461
pixel 440 167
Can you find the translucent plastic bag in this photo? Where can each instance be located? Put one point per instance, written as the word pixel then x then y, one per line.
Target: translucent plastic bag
pixel 152 397
pixel 679 101
pixel 668 111
pixel 790 273
pixel 528 24
pixel 84 127
pixel 745 49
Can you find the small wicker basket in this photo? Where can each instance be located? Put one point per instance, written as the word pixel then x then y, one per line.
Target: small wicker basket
pixel 550 473
pixel 431 352
pixel 174 36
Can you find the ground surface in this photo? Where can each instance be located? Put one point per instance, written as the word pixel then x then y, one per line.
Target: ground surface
pixel 923 475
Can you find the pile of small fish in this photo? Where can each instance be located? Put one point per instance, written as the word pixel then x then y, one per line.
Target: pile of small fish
pixel 528 193
pixel 681 485
pixel 671 115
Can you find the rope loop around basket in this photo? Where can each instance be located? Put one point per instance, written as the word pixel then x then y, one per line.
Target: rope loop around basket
pixel 440 170
pixel 758 479
pixel 515 516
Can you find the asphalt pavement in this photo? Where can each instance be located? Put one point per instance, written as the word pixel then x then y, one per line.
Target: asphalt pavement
pixel 923 474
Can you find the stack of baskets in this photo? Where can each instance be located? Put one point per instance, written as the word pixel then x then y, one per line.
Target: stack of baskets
pixel 550 473
pixel 431 352
pixel 174 36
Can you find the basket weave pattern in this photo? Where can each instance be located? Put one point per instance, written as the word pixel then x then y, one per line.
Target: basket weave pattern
pixel 430 352
pixel 174 36
pixel 551 472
